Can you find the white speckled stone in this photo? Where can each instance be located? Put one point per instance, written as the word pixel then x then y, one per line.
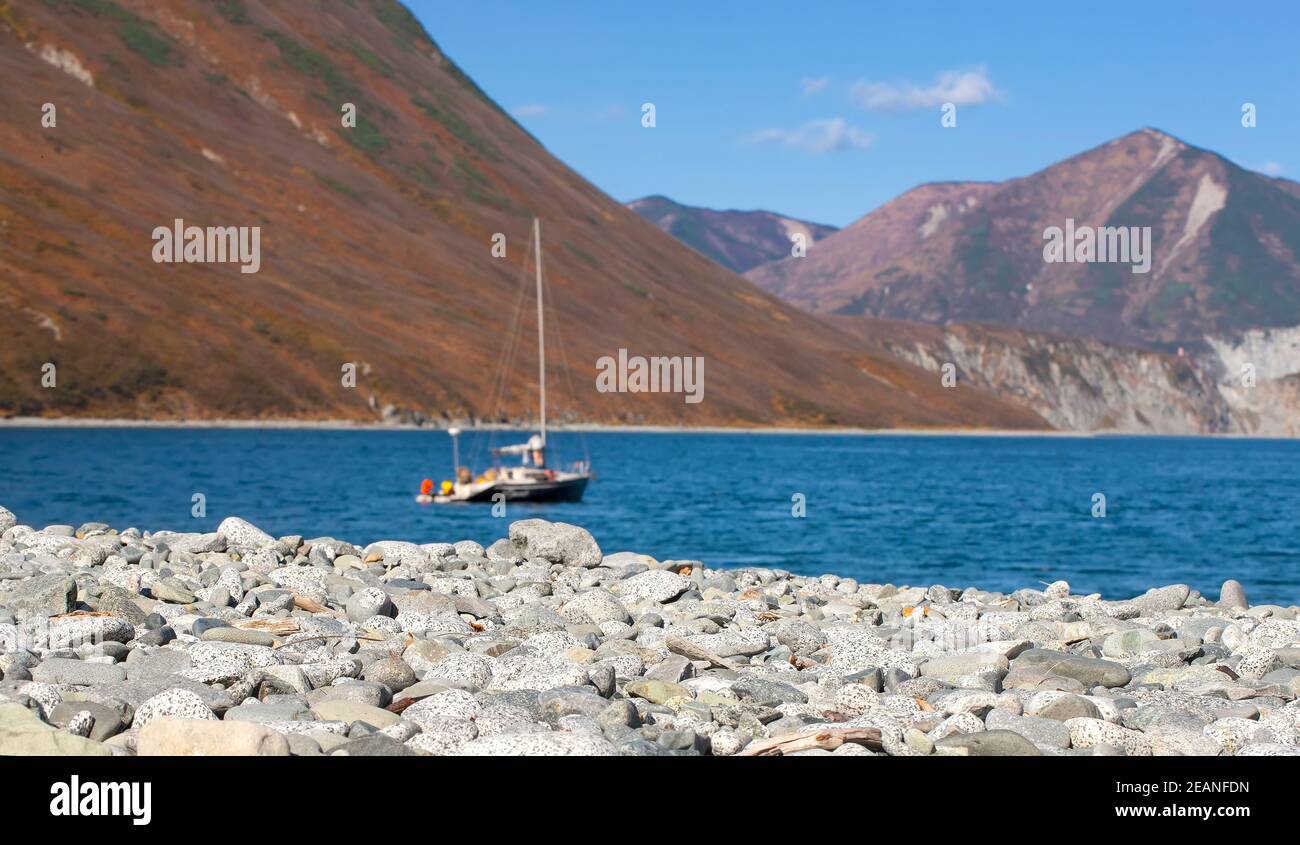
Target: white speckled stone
pixel 613 630
pixel 1105 707
pixel 46 696
pixel 964 701
pixel 322 726
pixel 192 542
pixel 172 702
pixel 626 666
pixel 1182 741
pixel 212 662
pixel 558 542
pixel 382 625
pixel 728 741
pixel 552 643
pixel 441 737
pixel 1086 732
pixel 598 606
pixel 1256 662
pixel 325 672
pixel 578 723
pixel 452 586
pixel 506 719
pixel 263 561
pixel 538 745
pixel 856 699
pixel 1234 733
pixel 73 631
pixel 1057 590
pixel 80 724
pixel 401 731
pixel 1275 633
pixel 856 648
pixel 397 553
pixel 852 749
pixel 432 625
pixel 891 732
pixel 241 532
pixel 961 723
pixel 1268 749
pixel 731 643
pixel 657 585
pixel 516 672
pixel 439 550
pixel 468 668
pixel 366 603
pixel 300 579
pixel 449 705
pixel 1284 722
pixel 903 706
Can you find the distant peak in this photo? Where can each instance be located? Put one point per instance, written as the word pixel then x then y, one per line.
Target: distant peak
pixel 653 198
pixel 1159 135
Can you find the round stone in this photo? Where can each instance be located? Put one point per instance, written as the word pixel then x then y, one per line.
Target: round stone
pixel 392 672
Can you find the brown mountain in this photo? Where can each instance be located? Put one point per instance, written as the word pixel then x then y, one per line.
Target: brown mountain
pixel 738 240
pixel 376 240
pixel 1225 256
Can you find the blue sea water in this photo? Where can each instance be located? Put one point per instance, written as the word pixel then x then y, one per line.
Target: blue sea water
pixel 993 512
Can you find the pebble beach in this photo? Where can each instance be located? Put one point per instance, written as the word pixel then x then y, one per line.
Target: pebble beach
pixel 118 641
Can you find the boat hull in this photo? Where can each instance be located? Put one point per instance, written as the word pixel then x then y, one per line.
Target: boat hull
pixel 559 490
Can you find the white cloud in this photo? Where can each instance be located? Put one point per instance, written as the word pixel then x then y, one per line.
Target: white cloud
pixel 814 84
pixel 817 137
pixel 961 88
pixel 530 110
pixel 1271 168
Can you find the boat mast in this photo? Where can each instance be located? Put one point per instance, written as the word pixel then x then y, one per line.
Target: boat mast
pixel 541 339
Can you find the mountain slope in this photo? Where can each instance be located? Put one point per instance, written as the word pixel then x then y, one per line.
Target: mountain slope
pixel 1226 253
pixel 376 240
pixel 1243 384
pixel 738 240
pixel 1077 384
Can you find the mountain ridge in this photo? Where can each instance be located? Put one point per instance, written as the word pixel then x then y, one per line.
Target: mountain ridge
pixel 377 241
pixel 737 239
pixel 1227 250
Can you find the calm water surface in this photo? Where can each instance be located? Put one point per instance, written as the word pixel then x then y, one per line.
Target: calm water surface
pixel 994 512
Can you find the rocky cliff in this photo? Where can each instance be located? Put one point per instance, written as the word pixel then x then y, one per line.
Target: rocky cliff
pixel 1250 385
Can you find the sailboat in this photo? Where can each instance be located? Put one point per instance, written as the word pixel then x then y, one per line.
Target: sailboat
pixel 532 479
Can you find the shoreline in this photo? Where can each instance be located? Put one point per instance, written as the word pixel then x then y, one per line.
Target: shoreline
pixel 235 642
pixel 351 425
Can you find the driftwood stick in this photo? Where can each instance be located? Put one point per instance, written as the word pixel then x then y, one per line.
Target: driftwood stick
pixel 686 648
pixel 827 738
pixel 401 704
pixel 313 639
pixel 304 603
pixel 280 627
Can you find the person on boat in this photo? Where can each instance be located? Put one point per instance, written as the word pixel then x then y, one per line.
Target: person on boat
pixel 463 475
pixel 426 491
pixel 538 449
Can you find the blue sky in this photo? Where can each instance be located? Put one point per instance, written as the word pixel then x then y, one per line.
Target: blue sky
pixel 825 110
